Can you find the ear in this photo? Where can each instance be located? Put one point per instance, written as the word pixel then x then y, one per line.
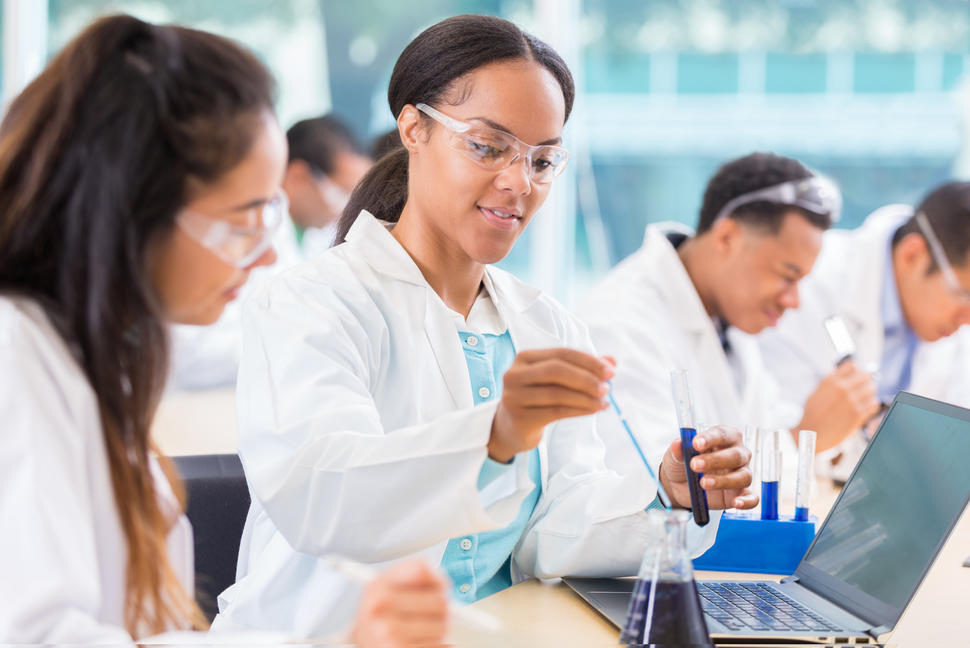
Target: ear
pixel 410 128
pixel 726 234
pixel 912 254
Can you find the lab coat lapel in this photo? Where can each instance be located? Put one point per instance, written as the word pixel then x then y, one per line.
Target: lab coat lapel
pixel 443 338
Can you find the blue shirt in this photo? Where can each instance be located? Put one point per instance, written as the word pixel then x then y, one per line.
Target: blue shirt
pixel 479 564
pixel 899 340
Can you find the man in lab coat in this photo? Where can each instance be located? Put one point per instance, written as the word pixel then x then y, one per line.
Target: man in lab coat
pixel 326 163
pixel 694 301
pixel 901 283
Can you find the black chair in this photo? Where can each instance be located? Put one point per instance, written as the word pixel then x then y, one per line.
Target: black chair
pixel 217 507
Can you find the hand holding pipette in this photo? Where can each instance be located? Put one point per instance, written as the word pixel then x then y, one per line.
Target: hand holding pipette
pixel 543 386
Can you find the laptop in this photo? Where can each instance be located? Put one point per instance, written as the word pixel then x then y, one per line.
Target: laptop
pixel 868 558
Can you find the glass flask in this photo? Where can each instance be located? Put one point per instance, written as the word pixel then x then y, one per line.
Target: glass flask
pixel 665 609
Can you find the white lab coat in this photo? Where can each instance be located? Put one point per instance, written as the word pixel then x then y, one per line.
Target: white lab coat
pixel 359 436
pixel 847 280
pixel 62 550
pixel 647 314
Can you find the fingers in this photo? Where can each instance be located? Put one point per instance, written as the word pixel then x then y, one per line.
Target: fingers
pixel 735 480
pixel 746 501
pixel 554 396
pixel 724 460
pixel 714 438
pixel 599 367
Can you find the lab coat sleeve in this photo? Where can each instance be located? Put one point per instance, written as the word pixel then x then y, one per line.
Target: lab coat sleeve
pixel 317 456
pixel 590 520
pixel 50 589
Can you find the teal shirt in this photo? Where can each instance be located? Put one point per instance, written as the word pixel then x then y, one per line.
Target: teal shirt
pixel 479 564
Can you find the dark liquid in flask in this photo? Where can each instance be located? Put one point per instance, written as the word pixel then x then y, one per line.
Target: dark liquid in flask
pixel 698 498
pixel 678 619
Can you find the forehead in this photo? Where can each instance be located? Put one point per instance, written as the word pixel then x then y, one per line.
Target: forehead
pixel 797 242
pixel 521 96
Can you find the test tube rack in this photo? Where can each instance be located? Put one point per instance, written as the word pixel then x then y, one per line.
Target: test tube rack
pixel 746 543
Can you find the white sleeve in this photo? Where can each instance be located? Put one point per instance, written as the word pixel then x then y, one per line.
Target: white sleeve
pixel 50 589
pixel 316 453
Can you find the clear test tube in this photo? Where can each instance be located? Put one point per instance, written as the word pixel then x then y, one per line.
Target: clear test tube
pixel 751 435
pixel 806 470
pixel 770 472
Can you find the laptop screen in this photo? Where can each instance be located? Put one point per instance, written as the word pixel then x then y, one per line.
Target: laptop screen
pixel 893 515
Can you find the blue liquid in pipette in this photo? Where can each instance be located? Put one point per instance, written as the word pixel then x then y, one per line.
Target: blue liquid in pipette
pixel 801 514
pixel 769 500
pixel 698 498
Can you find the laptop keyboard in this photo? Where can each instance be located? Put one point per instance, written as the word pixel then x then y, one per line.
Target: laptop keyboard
pixel 757 606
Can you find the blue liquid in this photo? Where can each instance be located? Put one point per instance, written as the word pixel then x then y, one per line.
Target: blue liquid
pixel 801 514
pixel 698 498
pixel 678 619
pixel 769 500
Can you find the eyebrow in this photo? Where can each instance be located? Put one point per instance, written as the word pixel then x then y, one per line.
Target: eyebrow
pixel 794 268
pixel 252 204
pixel 550 142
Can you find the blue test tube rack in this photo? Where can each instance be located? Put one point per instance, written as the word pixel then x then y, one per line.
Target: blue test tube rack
pixel 745 543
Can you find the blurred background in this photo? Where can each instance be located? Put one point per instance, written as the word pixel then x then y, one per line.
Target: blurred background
pixel 873 93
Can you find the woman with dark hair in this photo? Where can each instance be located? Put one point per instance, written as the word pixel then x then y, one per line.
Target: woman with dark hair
pixel 400 396
pixel 139 185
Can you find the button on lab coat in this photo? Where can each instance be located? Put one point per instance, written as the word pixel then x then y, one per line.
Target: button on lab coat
pixel 359 437
pixel 847 280
pixel 647 314
pixel 62 550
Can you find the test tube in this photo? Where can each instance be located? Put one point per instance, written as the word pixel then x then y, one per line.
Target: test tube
pixel 803 487
pixel 752 444
pixel 770 472
pixel 688 430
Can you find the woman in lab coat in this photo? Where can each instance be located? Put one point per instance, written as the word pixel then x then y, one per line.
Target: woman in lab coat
pixel 375 420
pixel 139 183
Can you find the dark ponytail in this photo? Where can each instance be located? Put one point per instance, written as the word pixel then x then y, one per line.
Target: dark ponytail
pixel 426 70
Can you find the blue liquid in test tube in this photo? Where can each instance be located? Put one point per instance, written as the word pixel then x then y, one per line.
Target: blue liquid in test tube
pixel 803 487
pixel 770 472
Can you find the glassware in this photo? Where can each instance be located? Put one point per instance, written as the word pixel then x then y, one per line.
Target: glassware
pixel 665 609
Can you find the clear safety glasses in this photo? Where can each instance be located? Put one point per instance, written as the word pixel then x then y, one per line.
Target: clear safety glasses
pixel 942 262
pixel 815 194
pixel 237 245
pixel 496 150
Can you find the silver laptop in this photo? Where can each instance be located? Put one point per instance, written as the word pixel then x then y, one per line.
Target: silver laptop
pixel 868 558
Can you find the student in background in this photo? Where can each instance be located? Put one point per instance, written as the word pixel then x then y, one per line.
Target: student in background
pixel 401 396
pixel 139 185
pixel 692 301
pixel 901 283
pixel 326 163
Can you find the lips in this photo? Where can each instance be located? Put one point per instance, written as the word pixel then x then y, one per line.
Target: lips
pixel 501 218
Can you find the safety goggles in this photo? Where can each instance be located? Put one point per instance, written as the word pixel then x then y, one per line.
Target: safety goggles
pixel 939 256
pixel 814 194
pixel 495 150
pixel 234 244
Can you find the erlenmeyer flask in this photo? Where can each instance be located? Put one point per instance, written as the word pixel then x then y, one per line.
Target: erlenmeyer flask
pixel 665 609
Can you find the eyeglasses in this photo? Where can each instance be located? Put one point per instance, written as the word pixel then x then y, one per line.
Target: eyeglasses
pixel 236 245
pixel 815 194
pixel 495 150
pixel 943 263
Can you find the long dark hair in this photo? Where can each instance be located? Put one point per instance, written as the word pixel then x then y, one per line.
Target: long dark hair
pixel 426 70
pixel 96 157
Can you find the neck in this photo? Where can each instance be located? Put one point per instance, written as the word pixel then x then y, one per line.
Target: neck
pixel 696 257
pixel 452 274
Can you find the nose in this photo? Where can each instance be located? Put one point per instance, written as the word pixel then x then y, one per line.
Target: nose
pixel 789 298
pixel 266 258
pixel 515 177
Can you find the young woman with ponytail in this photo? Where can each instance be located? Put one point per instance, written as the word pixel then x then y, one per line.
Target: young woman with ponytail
pixel 139 185
pixel 401 396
